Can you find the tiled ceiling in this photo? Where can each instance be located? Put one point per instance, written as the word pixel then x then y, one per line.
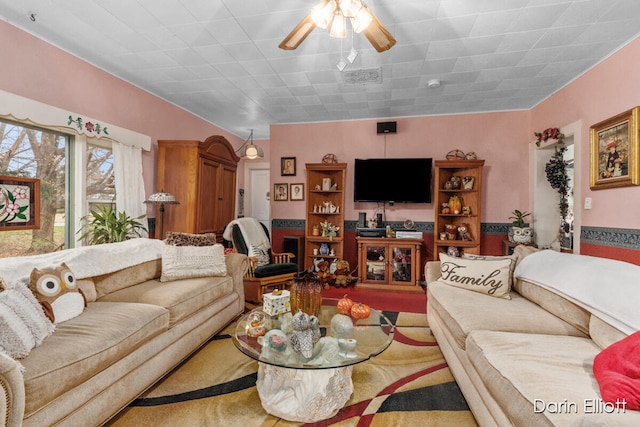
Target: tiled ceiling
pixel 220 60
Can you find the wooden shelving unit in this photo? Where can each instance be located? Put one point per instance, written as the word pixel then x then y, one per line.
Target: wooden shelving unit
pixel 318 198
pixel 471 198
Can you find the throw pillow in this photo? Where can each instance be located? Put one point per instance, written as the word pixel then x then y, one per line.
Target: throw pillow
pixel 57 291
pixel 22 322
pixel 490 277
pixel 617 371
pixel 184 262
pixel 187 239
pixel 261 253
pixel 513 258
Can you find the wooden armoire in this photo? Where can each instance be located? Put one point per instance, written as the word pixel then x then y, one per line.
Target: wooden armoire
pixel 202 177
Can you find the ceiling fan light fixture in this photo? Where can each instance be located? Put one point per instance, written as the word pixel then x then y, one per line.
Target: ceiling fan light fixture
pixel 322 14
pixel 338 27
pixel 350 8
pixel 332 15
pixel 361 20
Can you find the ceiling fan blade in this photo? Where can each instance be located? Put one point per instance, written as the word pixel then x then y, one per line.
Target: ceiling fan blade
pixel 298 34
pixel 378 35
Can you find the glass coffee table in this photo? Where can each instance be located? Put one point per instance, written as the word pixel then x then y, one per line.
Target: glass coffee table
pixel 311 389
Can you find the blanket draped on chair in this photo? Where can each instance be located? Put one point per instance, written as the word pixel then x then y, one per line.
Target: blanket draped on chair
pixel 251 230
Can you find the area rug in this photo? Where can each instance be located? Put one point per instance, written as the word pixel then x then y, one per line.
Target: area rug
pixel 409 384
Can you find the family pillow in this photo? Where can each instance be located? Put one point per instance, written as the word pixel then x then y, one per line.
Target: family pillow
pixel 489 277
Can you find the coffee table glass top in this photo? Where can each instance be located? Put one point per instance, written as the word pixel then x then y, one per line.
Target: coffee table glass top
pixel 372 335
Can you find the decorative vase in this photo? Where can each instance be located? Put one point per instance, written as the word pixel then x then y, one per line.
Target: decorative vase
pixel 324 249
pixel 306 294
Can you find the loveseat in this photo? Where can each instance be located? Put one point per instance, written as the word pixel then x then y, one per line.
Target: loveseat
pixel 527 358
pixel 136 327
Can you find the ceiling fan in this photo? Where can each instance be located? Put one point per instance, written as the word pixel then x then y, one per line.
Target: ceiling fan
pixel 332 15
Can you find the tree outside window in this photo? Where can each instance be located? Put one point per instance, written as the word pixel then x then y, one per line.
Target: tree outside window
pixel 27 151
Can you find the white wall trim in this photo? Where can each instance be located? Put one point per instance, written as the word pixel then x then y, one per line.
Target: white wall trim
pixel 28 111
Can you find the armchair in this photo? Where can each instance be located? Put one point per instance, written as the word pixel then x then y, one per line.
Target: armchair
pixel 267 270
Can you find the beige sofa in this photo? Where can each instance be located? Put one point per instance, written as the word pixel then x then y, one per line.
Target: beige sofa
pixel 528 360
pixel 134 330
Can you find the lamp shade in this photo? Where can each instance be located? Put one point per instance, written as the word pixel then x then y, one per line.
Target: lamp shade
pixel 162 198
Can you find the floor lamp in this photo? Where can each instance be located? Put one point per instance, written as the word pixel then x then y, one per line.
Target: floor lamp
pixel 162 199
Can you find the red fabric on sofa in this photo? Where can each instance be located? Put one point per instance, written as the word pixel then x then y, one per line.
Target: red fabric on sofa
pixel 617 370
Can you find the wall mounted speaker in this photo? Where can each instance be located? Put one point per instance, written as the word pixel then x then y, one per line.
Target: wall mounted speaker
pixel 379 219
pixel 387 127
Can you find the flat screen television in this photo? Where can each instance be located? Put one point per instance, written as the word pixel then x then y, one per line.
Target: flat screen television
pixel 392 180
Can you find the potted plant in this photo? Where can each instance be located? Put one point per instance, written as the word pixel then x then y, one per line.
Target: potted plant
pixel 520 232
pixel 104 225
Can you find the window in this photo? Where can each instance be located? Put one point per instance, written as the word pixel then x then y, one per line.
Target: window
pixel 44 154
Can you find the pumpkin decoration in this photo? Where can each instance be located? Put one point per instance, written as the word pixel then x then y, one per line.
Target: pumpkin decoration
pixel 360 311
pixel 344 305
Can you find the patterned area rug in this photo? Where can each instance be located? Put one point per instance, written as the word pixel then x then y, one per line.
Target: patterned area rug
pixel 408 384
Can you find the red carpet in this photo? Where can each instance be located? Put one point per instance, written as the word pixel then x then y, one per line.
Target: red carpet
pixel 381 300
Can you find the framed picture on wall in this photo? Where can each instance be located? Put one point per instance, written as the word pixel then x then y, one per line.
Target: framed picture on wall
pixel 296 191
pixel 615 151
pixel 280 193
pixel 288 166
pixel 19 203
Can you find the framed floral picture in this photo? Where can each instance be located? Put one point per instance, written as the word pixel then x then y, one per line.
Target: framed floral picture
pixel 19 203
pixel 288 166
pixel 280 192
pixel 296 191
pixel 615 151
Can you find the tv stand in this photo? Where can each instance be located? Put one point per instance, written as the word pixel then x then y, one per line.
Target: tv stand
pixel 389 263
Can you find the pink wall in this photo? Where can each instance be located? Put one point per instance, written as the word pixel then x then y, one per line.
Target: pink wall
pixel 39 71
pixel 499 138
pixel 606 90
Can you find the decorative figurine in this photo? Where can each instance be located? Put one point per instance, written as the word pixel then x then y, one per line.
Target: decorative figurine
pixel 306 332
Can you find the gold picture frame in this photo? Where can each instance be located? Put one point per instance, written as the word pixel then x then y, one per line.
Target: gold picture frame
pixel 19 203
pixel 615 151
pixel 281 192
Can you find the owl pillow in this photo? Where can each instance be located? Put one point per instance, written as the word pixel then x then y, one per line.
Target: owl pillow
pixel 57 291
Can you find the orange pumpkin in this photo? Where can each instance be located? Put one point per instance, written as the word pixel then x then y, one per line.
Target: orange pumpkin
pixel 344 305
pixel 360 311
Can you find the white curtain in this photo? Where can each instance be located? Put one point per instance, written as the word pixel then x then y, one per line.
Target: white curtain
pixel 127 168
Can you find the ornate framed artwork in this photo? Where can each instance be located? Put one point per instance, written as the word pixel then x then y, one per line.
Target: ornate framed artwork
pixel 280 192
pixel 19 203
pixel 615 151
pixel 296 191
pixel 287 166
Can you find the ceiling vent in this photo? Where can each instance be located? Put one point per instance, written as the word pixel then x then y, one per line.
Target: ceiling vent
pixel 363 76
